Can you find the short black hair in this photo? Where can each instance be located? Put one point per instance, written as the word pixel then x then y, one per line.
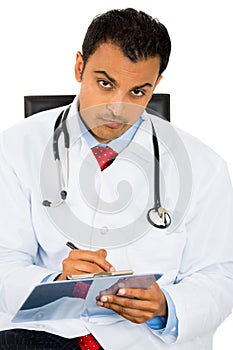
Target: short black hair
pixel 138 35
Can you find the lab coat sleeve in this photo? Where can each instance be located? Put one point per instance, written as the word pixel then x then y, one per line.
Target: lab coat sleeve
pixel 165 326
pixel 203 292
pixel 18 243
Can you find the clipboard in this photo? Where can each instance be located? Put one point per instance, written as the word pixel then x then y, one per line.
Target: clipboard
pixel 76 297
pixel 100 274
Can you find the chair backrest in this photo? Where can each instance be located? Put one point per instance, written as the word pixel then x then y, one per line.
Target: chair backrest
pixel 158 105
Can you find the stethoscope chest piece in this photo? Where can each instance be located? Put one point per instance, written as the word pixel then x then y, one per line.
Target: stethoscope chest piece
pixel 159 218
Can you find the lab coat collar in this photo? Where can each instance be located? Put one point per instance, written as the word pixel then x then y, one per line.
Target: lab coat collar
pixel 145 132
pixel 168 136
pixel 72 122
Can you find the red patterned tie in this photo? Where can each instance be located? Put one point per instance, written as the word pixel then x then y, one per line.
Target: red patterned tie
pixel 104 155
pixel 86 342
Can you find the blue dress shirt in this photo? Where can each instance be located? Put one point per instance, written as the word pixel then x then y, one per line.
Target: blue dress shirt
pixel 119 144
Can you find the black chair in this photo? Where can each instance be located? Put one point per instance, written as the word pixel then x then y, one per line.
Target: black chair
pixel 158 105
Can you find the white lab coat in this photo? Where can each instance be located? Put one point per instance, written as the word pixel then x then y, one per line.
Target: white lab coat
pixel 195 256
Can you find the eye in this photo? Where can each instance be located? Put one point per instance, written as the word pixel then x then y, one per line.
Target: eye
pixel 104 83
pixel 137 92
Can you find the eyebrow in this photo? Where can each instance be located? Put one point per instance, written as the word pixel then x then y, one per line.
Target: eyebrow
pixel 115 82
pixel 107 76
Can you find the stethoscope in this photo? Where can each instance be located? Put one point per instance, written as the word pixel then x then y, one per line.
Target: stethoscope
pixel 157 216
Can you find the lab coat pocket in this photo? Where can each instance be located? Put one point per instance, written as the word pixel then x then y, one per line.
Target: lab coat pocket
pixel 158 251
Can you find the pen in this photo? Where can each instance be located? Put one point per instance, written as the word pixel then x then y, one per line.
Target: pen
pixel 71 245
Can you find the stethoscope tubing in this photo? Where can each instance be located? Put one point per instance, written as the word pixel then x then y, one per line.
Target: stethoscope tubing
pixel 157 215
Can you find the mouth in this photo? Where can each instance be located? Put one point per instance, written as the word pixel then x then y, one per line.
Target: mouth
pixel 113 124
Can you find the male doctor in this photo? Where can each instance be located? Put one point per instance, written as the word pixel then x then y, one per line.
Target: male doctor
pixel 123 56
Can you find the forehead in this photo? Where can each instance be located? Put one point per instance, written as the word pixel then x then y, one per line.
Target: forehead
pixel 109 58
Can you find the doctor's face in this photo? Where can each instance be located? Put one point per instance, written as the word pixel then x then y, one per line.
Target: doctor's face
pixel 114 90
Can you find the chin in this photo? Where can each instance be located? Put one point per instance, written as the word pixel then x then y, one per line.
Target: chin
pixel 107 135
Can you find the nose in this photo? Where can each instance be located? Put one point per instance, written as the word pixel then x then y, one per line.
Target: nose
pixel 117 101
pixel 116 108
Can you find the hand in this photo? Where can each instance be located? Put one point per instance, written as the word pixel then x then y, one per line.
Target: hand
pixel 85 261
pixel 135 304
pixel 129 282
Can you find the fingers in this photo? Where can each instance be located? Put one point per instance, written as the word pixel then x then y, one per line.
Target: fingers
pixel 85 261
pixel 151 294
pixel 136 311
pixel 136 304
pixel 97 258
pixel 80 266
pixel 102 252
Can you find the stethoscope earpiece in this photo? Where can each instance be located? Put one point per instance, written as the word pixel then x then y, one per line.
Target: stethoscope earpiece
pixel 63 195
pixel 159 218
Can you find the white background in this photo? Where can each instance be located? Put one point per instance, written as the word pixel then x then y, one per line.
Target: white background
pixel 39 40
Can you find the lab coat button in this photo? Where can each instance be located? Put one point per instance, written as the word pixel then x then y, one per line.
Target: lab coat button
pixel 104 230
pixel 39 315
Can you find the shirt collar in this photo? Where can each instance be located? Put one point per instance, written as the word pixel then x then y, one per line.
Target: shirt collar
pixel 119 144
pixel 162 128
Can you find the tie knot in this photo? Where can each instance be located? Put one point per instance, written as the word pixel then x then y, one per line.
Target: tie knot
pixel 104 156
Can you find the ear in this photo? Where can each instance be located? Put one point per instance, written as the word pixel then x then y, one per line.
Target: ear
pixel 79 66
pixel 158 80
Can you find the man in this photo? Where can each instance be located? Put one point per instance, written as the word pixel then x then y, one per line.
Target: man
pixel 123 56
